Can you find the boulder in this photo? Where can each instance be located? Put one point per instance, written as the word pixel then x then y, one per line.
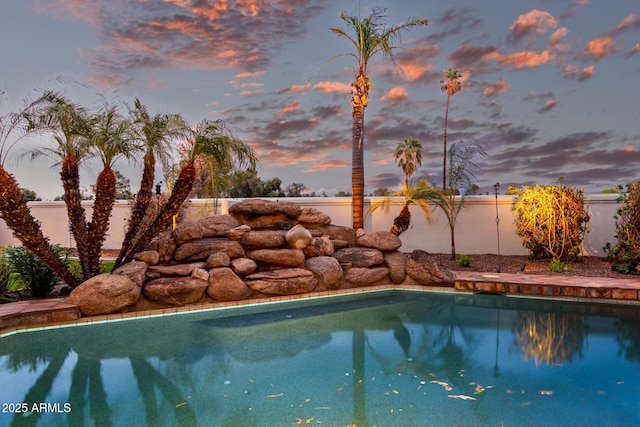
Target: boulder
pixel 187 231
pixel 263 239
pixel 267 222
pixel 177 270
pixel 319 246
pixel 165 245
pixel 286 281
pixel 426 271
pixel 282 257
pixel 360 276
pixel 148 257
pixel 396 263
pixel 105 294
pixel 298 237
pixel 237 232
pixel 218 259
pixel 217 225
pixel 326 270
pixel 225 285
pixel 201 249
pixel 200 273
pixel 243 266
pixel 359 257
pixel 334 232
pixel 135 270
pixel 259 207
pixel 313 216
pixel 175 290
pixel 381 240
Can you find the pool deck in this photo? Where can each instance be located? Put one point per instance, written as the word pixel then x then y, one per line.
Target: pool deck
pixel 625 292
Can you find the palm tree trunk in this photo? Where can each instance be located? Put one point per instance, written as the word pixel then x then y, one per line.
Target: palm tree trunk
pixel 402 222
pixel 143 199
pixel 444 156
pixel 357 166
pixel 17 215
pixel 181 191
pixel 97 230
pixel 70 178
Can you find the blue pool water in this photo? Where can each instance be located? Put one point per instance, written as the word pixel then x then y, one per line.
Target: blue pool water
pixel 379 359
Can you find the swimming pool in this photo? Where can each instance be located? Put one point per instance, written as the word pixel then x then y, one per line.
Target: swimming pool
pixel 384 358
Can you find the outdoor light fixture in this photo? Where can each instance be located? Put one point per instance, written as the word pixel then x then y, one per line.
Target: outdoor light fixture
pixel 496 190
pixel 158 189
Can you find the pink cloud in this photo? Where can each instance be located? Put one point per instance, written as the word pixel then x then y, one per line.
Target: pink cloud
pixel 633 51
pixel 600 48
pixel 549 105
pixel 531 23
pixel 395 96
pixel 555 40
pixel 630 22
pixel 329 87
pixel 496 88
pixel 326 165
pixel 525 59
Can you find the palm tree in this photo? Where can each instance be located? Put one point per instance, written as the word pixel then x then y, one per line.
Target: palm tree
pixel 209 139
pixel 110 139
pixel 369 36
pixel 408 157
pixel 13 206
pixel 450 84
pixel 155 134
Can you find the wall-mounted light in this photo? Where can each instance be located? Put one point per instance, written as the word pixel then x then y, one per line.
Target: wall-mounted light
pixel 158 188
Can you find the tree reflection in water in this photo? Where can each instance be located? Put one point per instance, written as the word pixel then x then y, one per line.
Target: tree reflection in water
pixel 550 338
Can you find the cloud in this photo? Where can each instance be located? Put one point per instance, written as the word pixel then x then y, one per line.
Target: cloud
pixel 549 105
pixel 395 96
pixel 600 48
pixel 555 40
pixel 525 59
pixel 193 35
pixel 327 165
pixel 633 51
pixel 384 180
pixel 530 24
pixel 628 23
pixel 496 88
pixel 573 8
pixel 571 72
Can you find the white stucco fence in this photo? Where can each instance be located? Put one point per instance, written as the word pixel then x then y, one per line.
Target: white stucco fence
pixel 476 231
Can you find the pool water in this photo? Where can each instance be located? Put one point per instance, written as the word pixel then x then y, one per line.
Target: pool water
pixel 378 359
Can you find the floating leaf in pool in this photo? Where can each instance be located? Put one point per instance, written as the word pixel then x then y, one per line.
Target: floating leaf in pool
pixel 302 421
pixel 227 382
pixel 273 396
pixel 442 384
pixel 395 391
pixel 461 397
pixel 181 404
pixel 546 392
pixel 409 359
pixel 27 414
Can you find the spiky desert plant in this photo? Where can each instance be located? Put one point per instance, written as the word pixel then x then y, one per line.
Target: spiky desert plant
pixel 552 220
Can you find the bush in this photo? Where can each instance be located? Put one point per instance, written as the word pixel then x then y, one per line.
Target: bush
pixel 5 271
pixel 37 278
pixel 626 252
pixel 551 220
pixel 464 261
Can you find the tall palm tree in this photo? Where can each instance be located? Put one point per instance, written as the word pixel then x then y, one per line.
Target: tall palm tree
pixel 110 139
pixel 13 206
pixel 368 36
pixel 155 134
pixel 210 139
pixel 452 85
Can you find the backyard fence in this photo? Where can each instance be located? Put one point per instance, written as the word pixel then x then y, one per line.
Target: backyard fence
pixel 476 231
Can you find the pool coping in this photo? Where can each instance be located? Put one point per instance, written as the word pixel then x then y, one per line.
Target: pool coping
pixel 623 293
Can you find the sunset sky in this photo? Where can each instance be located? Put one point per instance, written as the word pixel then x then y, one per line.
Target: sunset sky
pixel 549 88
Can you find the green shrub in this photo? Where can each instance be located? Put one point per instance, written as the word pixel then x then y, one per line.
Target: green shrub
pixel 464 261
pixel 5 271
pixel 558 266
pixel 37 278
pixel 626 252
pixel 552 221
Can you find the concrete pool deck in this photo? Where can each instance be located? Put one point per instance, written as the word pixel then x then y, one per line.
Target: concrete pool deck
pixel 617 292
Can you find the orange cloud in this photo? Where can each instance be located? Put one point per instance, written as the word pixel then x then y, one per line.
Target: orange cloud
pixel 294 106
pixel 536 21
pixel 248 75
pixel 395 95
pixel 631 22
pixel 326 165
pixel 496 88
pixel 329 87
pixel 555 40
pixel 571 72
pixel 525 59
pixel 600 48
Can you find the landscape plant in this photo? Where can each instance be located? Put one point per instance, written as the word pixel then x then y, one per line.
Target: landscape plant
pixel 625 253
pixel 451 85
pixel 36 277
pixel 369 36
pixel 552 220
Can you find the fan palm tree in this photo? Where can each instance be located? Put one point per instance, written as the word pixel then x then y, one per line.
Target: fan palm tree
pixel 450 84
pixel 13 206
pixel 155 134
pixel 209 139
pixel 368 36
